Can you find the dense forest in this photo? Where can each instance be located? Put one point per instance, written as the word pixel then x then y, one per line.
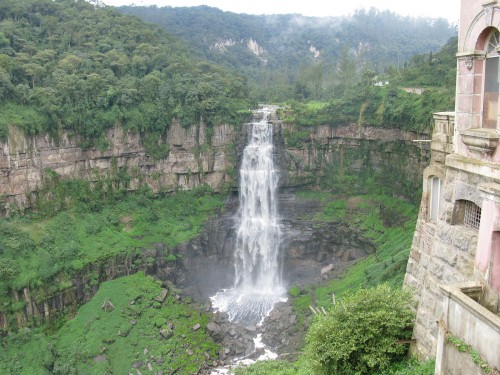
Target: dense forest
pixel 389 100
pixel 71 65
pixel 292 56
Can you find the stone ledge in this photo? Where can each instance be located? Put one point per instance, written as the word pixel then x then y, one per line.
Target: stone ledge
pixel 480 140
pixel 479 167
pixel 490 190
pixel 473 54
pixel 456 292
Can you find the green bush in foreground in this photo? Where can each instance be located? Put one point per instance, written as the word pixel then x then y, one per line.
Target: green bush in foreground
pixel 358 335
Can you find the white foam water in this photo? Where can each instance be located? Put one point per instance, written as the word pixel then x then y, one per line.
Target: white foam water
pixel 258 273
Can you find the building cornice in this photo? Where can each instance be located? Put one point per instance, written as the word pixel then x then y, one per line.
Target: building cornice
pixel 479 167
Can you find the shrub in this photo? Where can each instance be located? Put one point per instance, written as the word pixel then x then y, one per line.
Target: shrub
pixel 268 367
pixel 294 291
pixel 358 335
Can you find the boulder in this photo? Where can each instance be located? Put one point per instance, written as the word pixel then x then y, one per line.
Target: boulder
pixel 108 306
pixel 166 333
pixel 161 297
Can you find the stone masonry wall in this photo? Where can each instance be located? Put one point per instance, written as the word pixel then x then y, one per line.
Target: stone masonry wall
pixel 443 250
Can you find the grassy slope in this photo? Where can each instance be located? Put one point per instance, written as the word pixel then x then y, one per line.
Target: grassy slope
pixel 388 222
pixel 56 247
pixel 91 343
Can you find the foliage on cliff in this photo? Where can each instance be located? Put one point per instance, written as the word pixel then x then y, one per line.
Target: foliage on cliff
pixel 386 221
pixel 139 332
pixel 71 65
pixel 399 104
pixel 310 57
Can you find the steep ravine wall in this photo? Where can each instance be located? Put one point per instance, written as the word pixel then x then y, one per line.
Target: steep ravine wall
pixel 196 158
pixel 331 156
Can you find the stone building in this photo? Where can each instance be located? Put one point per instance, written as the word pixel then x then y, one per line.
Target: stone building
pixel 454 265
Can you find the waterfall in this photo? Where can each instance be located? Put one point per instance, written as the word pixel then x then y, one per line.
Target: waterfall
pixel 258 280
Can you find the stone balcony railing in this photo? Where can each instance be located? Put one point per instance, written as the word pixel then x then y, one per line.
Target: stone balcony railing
pixel 471 327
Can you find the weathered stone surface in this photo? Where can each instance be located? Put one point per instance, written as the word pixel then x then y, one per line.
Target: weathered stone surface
pixel 166 333
pixel 24 161
pixel 213 328
pixel 161 297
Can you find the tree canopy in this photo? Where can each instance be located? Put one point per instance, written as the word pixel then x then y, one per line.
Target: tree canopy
pixel 67 64
pixel 301 57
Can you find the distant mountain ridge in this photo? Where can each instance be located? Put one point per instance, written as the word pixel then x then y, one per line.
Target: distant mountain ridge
pixel 280 50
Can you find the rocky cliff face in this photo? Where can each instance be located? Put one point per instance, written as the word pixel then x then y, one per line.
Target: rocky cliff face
pixel 195 157
pixel 331 157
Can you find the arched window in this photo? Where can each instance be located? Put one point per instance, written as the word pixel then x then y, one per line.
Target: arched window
pixel 435 193
pixel 491 80
pixel 466 213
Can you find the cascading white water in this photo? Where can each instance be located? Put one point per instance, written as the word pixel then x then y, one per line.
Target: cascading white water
pixel 258 285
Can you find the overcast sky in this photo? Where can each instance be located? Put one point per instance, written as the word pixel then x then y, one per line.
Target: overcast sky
pixel 448 9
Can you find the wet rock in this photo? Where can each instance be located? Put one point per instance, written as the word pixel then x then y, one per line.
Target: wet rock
pixel 251 328
pixel 213 328
pixel 215 331
pixel 326 269
pixel 250 348
pixel 222 355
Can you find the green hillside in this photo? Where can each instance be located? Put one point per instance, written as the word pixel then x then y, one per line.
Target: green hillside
pixel 71 65
pixel 318 57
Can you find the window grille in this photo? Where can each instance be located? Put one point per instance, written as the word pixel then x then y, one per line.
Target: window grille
pixel 472 215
